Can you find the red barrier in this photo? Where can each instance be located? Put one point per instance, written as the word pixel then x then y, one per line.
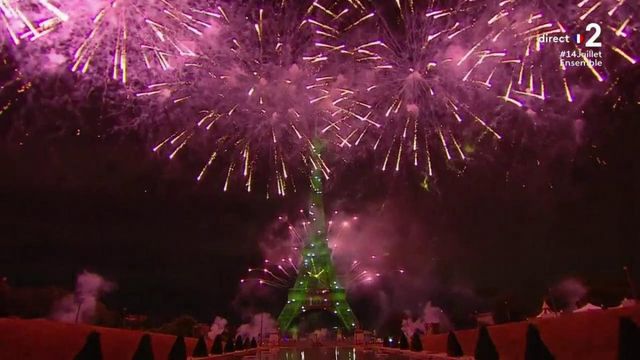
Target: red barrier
pixel 587 335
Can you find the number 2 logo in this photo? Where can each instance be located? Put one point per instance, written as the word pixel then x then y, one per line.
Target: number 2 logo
pixel 593 40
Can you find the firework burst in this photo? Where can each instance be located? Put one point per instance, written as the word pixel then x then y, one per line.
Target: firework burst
pixel 439 77
pixel 284 256
pixel 540 69
pixel 410 99
pixel 260 94
pixel 127 37
pixel 606 32
pixel 28 20
pixel 619 26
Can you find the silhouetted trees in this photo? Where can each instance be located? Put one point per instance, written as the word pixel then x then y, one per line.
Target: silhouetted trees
pixel 144 350
pixel 416 342
pixel 239 344
pixel 628 340
pixel 228 347
pixel 216 348
pixel 178 350
pixel 201 348
pixel 453 345
pixel 404 343
pixel 91 349
pixel 485 349
pixel 536 348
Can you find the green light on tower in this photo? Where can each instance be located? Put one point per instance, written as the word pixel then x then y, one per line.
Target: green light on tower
pixel 316 286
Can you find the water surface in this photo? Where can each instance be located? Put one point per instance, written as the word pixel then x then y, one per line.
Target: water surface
pixel 327 353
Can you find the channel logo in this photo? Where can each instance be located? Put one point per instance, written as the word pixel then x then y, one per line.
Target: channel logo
pixel 591 39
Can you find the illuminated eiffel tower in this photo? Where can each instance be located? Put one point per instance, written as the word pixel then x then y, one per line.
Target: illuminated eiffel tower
pixel 316 286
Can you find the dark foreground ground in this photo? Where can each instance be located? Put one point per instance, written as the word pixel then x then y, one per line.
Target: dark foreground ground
pixel 589 335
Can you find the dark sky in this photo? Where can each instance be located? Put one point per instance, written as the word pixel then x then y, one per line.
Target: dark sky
pixel 518 218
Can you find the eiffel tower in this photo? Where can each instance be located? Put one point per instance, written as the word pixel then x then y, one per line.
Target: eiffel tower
pixel 316 286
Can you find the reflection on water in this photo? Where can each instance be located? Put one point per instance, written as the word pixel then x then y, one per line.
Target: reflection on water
pixel 325 353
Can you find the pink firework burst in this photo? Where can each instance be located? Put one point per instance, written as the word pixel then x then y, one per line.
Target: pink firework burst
pixel 258 94
pixel 29 20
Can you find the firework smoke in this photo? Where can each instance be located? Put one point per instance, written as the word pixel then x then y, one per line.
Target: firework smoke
pixel 362 263
pixel 355 266
pixel 431 319
pixel 260 326
pixel 410 326
pixel 218 326
pixel 568 293
pixel 81 305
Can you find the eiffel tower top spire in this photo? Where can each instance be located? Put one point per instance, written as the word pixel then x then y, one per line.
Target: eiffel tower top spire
pixel 316 286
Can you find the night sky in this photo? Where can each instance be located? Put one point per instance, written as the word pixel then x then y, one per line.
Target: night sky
pixel 551 201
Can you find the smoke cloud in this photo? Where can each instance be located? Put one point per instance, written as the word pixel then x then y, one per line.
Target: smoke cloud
pixel 431 319
pixel 410 326
pixel 218 326
pixel 568 292
pixel 260 324
pixel 81 305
